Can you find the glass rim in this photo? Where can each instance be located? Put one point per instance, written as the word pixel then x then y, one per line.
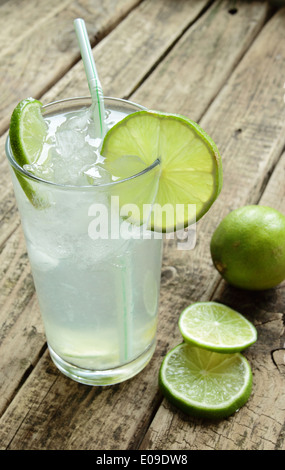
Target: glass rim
pixel 28 175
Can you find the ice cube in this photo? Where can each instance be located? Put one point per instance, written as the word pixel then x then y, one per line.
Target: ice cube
pixel 78 120
pixel 96 174
pixel 69 143
pixel 126 166
pixel 41 260
pixel 41 171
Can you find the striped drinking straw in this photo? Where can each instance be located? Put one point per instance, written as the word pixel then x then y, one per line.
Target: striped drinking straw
pixel 91 74
pixel 124 291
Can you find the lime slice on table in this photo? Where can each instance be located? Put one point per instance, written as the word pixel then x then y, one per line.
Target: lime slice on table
pixel 205 383
pixel 216 327
pixel 27 135
pixel 190 169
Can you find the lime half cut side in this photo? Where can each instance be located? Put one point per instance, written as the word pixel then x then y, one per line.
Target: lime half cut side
pixel 27 136
pixel 190 176
pixel 216 327
pixel 204 383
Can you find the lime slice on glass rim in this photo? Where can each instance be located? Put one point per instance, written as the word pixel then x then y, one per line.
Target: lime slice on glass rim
pixel 188 176
pixel 205 383
pixel 27 135
pixel 216 327
pixel 190 168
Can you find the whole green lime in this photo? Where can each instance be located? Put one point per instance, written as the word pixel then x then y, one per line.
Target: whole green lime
pixel 248 247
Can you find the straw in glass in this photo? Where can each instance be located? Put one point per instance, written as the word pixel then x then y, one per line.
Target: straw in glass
pixel 91 74
pixel 98 101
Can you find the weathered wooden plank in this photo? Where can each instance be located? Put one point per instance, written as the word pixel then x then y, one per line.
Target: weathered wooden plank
pixel 18 17
pixel 247 123
pixel 132 49
pixel 21 325
pixel 244 119
pixel 258 425
pixel 68 409
pixel 148 17
pixel 96 418
pixel 131 24
pixel 130 52
pixel 123 58
pixel 27 70
pixel 9 216
pixel 274 193
pixel 201 60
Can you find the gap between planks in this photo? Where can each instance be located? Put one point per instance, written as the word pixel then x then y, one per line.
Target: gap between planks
pixel 219 2
pixel 33 71
pixel 104 48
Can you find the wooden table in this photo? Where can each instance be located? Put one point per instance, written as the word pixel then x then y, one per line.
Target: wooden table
pixel 222 63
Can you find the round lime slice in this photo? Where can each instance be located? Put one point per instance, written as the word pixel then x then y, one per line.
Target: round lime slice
pixel 27 136
pixel 216 327
pixel 204 383
pixel 190 169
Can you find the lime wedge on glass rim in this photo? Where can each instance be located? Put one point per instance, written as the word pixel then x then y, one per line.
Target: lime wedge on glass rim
pixel 216 327
pixel 205 383
pixel 27 135
pixel 190 168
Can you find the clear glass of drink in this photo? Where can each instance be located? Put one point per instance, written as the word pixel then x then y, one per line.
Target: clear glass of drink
pixel 97 283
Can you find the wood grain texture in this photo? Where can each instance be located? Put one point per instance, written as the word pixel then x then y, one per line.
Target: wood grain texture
pixel 123 58
pixel 155 21
pixel 50 48
pixel 259 425
pixel 201 60
pixel 246 115
pixel 51 412
pixel 18 18
pixel 147 18
pixel 131 51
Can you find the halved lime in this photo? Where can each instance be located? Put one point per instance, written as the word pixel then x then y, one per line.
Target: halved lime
pixel 205 383
pixel 27 135
pixel 216 327
pixel 190 170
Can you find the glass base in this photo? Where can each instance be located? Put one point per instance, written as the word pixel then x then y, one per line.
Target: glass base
pixel 103 377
